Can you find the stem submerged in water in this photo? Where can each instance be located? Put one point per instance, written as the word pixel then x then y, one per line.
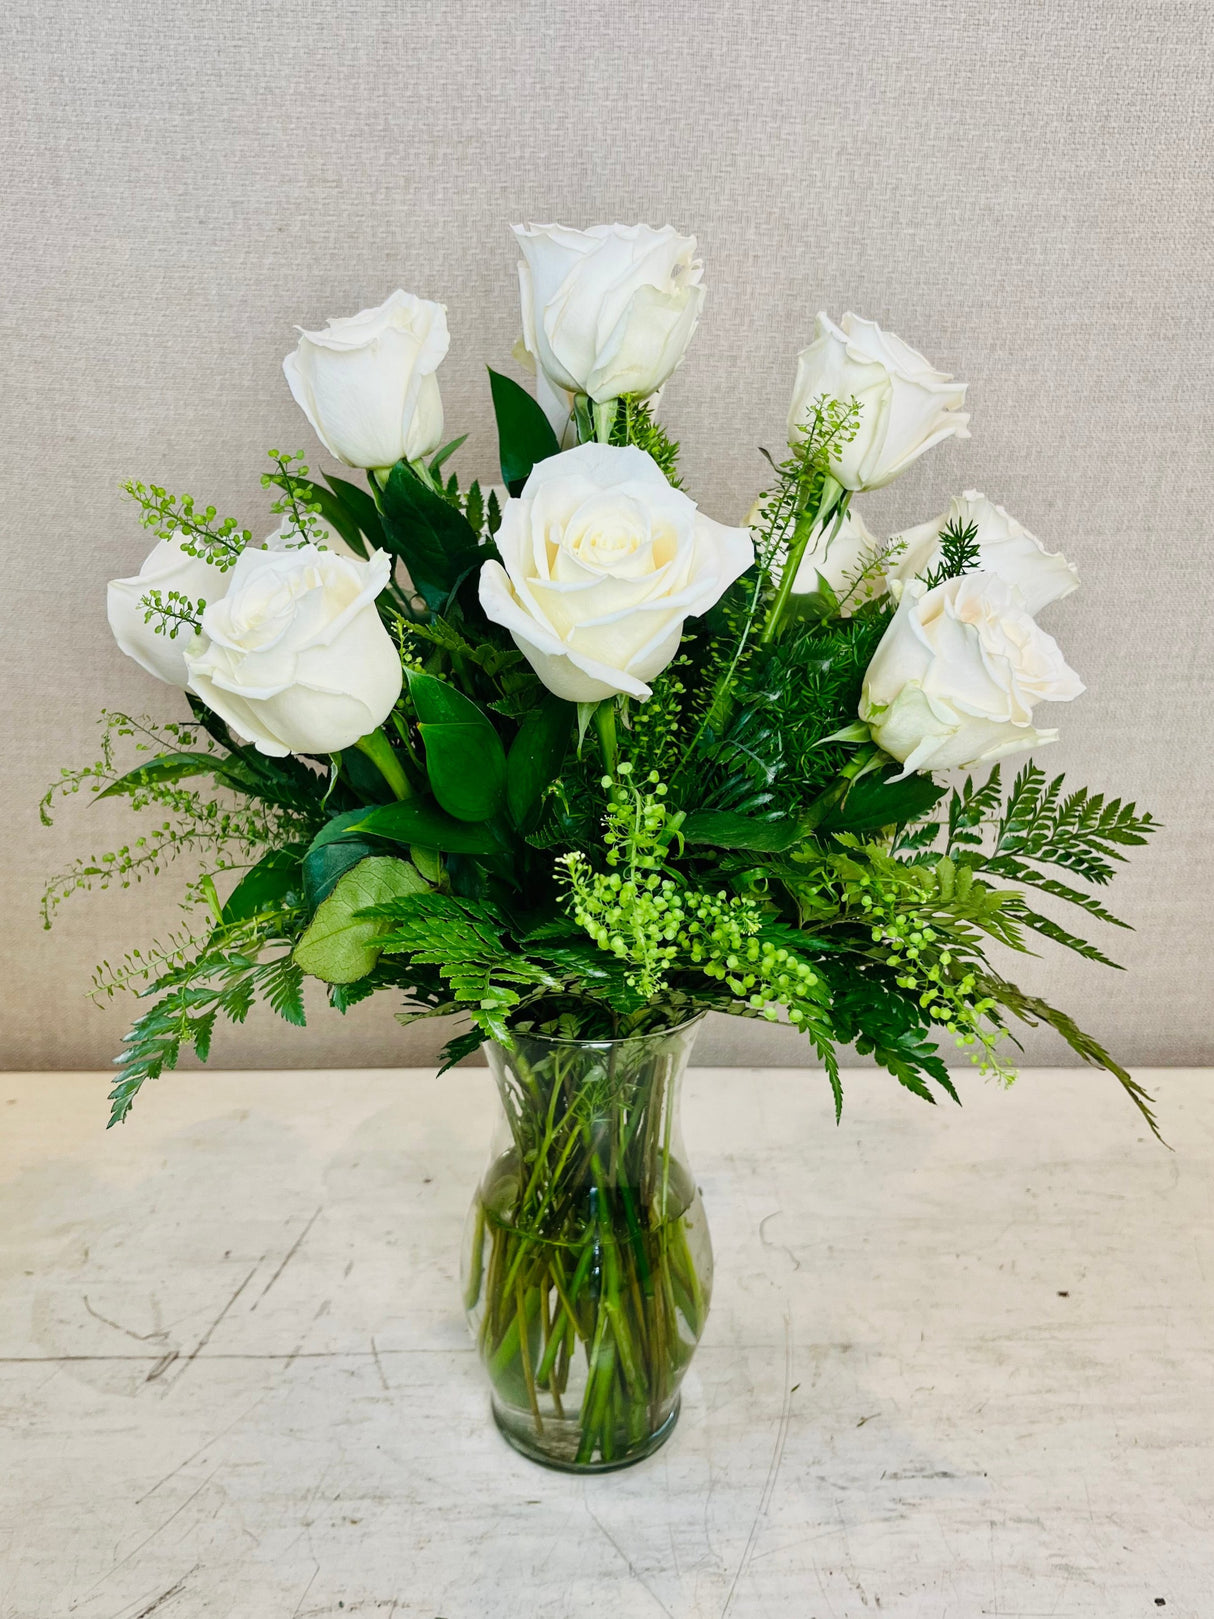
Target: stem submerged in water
pixel 589 1272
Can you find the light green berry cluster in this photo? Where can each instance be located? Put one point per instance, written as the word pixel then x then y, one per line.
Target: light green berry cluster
pixel 647 917
pixel 942 980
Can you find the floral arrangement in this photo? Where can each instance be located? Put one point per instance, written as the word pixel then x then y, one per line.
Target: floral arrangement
pixel 571 757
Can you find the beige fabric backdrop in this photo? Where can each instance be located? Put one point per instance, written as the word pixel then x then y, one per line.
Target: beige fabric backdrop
pixel 1022 190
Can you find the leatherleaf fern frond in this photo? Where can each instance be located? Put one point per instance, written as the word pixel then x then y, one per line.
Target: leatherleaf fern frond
pixel 465 940
pixel 228 973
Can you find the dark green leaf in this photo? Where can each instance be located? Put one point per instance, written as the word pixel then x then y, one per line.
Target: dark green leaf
pixel 465 761
pixel 176 767
pixel 324 865
pixel 726 830
pixel 360 503
pixel 266 885
pixel 415 820
pixel 875 801
pixel 338 516
pixel 448 449
pixel 524 433
pixel 431 537
pixel 536 755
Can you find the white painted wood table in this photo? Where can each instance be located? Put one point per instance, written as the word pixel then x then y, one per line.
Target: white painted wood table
pixel 959 1363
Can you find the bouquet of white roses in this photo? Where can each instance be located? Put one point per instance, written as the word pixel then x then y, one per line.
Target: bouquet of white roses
pixel 572 754
pixel 576 761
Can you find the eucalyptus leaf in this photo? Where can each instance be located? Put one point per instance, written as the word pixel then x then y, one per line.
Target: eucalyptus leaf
pixel 340 946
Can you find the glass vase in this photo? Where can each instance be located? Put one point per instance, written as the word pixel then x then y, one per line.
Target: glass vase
pixel 587 1265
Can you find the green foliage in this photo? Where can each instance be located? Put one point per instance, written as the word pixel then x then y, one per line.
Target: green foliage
pixel 199 533
pixel 224 978
pixel 464 939
pixel 1033 1010
pixel 465 760
pixel 222 831
pixel 299 501
pixel 173 613
pixel 524 434
pixel 959 553
pixel 429 534
pixel 635 423
pixel 342 943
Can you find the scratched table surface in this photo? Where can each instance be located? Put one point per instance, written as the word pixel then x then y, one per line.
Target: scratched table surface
pixel 959 1362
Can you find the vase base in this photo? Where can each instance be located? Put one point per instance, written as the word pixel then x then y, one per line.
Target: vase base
pixel 549 1450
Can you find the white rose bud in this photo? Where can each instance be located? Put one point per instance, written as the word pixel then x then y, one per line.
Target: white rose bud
pixel 295 656
pixel 166 568
pixel 603 562
pixel 1005 548
pixel 957 675
pixel 905 405
pixel 367 384
pixel 606 311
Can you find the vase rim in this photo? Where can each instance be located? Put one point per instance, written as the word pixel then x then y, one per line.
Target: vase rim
pixel 622 1040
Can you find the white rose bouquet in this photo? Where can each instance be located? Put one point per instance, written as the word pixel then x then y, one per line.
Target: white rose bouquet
pixel 498 707
pixel 581 761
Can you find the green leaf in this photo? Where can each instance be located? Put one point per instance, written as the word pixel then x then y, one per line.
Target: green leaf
pixel 433 539
pixel 536 755
pixel 465 760
pixel 341 946
pixel 1032 1010
pixel 415 820
pixel 266 885
pixel 448 449
pixel 339 516
pixel 360 504
pixel 524 433
pixel 176 767
pixel 726 830
pixel 874 801
pixel 325 864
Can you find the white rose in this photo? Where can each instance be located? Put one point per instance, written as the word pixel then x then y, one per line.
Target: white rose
pixel 295 656
pixel 603 562
pixel 840 555
pixel 905 405
pixel 367 384
pixel 957 675
pixel 1005 548
pixel 166 568
pixel 606 311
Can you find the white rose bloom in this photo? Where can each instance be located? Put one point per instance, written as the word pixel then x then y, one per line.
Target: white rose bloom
pixel 906 406
pixel 166 568
pixel 1005 548
pixel 957 675
pixel 839 555
pixel 295 656
pixel 367 383
pixel 603 562
pixel 606 311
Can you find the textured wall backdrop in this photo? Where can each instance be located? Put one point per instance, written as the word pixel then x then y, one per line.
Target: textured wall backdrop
pixel 1021 190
